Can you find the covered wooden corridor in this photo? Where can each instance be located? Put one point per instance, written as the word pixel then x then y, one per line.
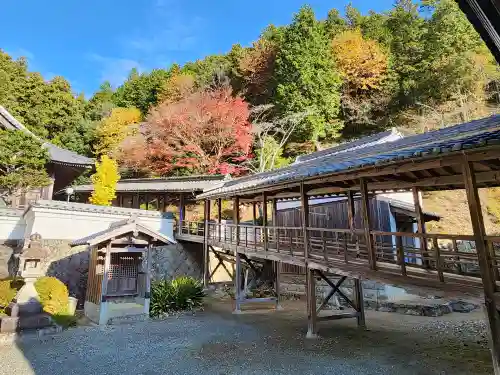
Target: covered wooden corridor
pixel 465 156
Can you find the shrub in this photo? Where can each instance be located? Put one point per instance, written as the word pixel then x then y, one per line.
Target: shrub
pixel 53 295
pixel 8 290
pixel 183 293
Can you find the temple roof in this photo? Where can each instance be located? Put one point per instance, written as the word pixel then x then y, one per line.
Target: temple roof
pixel 57 154
pixel 120 228
pixel 165 184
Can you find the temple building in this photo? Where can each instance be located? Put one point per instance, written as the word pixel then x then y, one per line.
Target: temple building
pixel 63 166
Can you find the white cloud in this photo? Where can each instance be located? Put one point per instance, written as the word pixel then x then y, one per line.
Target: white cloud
pixel 114 69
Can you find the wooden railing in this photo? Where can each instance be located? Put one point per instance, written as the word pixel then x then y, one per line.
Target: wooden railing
pixel 431 256
pixel 193 228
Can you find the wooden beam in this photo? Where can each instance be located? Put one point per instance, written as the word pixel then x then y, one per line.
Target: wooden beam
pixel 206 255
pixel 312 320
pixel 351 211
pixel 304 205
pixel 365 213
pixel 275 212
pixel 236 217
pixel 421 225
pixel 484 263
pixel 254 213
pixel 219 217
pixel 182 209
pixel 360 304
pixel 264 220
pixel 237 283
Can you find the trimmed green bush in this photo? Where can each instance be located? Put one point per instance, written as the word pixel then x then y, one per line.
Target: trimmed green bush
pixel 8 290
pixel 53 294
pixel 183 293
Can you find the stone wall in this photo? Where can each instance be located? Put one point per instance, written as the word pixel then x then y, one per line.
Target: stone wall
pixel 181 259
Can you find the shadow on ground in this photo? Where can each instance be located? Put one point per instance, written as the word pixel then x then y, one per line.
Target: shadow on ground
pixel 260 342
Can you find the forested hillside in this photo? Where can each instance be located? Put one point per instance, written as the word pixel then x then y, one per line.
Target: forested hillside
pixel 298 88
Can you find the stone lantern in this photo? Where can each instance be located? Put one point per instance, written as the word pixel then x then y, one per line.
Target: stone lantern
pixel 30 261
pixel 25 311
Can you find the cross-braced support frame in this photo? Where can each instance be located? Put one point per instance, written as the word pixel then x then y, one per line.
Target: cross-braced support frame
pixel 240 289
pixel 357 303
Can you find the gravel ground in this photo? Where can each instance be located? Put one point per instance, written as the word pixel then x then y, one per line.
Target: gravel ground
pixel 259 342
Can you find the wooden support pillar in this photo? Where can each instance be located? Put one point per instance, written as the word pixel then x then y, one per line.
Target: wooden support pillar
pixel 264 220
pixel 237 283
pixel 275 212
pixel 312 319
pixel 304 204
pixel 103 308
pixel 165 202
pixel 135 201
pixel 350 210
pixel 182 208
pixel 206 254
pixel 147 291
pixel 277 288
pixel 365 212
pixel 236 217
pixel 146 200
pixel 254 213
pixel 359 301
pixel 421 226
pixel 219 217
pixel 484 263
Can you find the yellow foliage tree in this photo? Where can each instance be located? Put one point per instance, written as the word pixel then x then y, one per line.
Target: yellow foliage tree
pixel 362 62
pixel 177 87
pixel 104 181
pixel 112 130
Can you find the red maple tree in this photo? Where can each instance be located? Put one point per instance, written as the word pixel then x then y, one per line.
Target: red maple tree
pixel 207 132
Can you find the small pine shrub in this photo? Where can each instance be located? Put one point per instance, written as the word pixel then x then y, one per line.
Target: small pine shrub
pixel 183 293
pixel 53 294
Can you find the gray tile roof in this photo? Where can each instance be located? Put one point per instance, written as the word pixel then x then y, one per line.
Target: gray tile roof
pixel 84 207
pixel 57 154
pixel 383 137
pixel 455 138
pixel 121 227
pixel 166 184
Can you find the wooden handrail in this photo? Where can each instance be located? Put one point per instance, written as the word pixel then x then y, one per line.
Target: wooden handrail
pixel 424 235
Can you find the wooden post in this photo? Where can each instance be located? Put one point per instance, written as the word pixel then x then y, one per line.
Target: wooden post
pixel 484 265
pixel 264 220
pixel 360 304
pixel 103 312
pixel 236 218
pixel 311 305
pixel 274 214
pixel 147 291
pixel 254 213
pixel 365 211
pixel 421 227
pixel 182 209
pixel 237 283
pixel 350 211
pixel 206 253
pixel 304 203
pixel 219 217
pixel 277 288
pixel 165 202
pixel 146 200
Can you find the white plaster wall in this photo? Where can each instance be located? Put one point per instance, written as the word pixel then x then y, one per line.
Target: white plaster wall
pixel 11 227
pixel 71 225
pixel 406 197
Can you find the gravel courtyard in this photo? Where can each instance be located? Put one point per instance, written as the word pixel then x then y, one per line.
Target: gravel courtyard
pixel 259 342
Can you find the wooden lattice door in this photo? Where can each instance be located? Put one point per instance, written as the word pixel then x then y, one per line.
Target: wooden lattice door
pixel 123 274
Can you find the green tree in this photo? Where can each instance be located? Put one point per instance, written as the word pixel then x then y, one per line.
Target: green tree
pixel 307 78
pixel 141 90
pixel 104 180
pixel 22 164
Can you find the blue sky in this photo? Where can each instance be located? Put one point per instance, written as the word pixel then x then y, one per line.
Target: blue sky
pixel 90 41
